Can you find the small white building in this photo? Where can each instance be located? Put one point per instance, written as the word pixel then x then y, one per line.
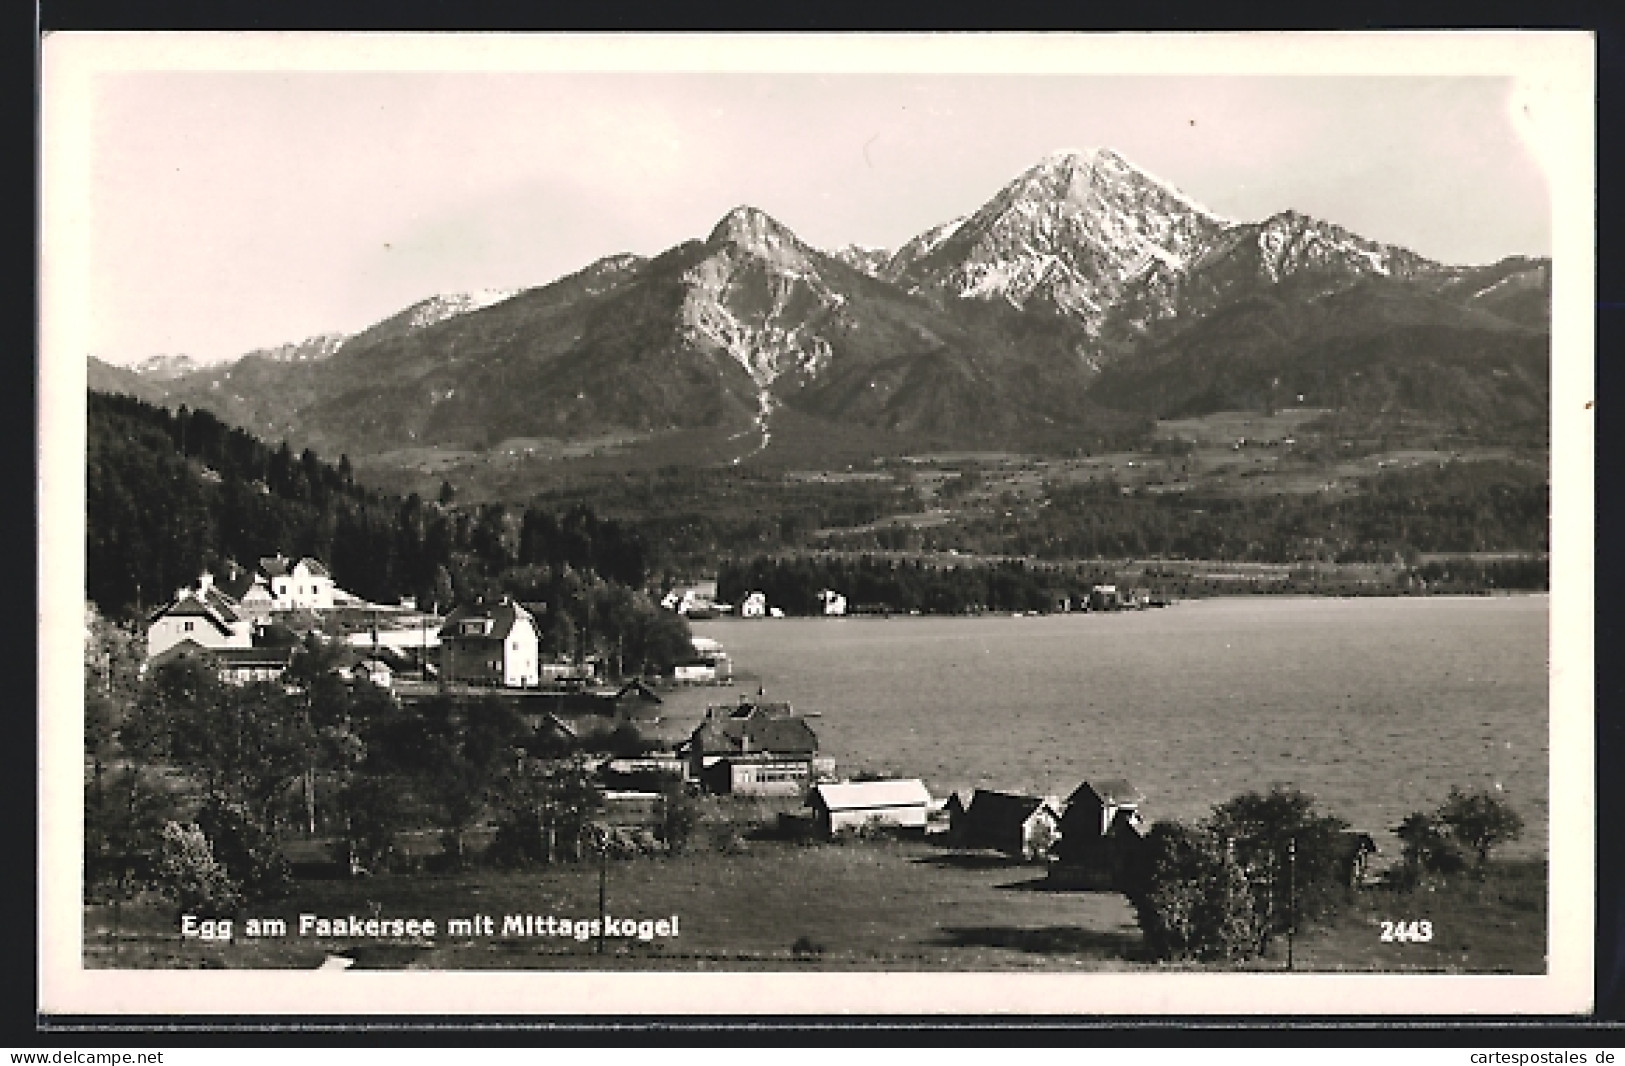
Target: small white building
pixel 903 803
pixel 301 585
pixel 754 605
pixel 698 600
pixel 832 602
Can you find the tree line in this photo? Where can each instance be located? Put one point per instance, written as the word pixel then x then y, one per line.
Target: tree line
pixel 1264 865
pixel 903 584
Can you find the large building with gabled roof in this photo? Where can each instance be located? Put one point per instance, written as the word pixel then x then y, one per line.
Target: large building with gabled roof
pixel 204 615
pixel 758 748
pixel 491 644
pixel 302 584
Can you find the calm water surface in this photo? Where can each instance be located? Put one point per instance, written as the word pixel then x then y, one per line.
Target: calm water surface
pixel 1376 706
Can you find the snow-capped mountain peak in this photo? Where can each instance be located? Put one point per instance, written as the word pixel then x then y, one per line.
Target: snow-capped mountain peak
pixel 1069 231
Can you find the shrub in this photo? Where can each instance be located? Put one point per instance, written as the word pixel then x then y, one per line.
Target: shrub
pixel 245 848
pixel 1193 899
pixel 805 946
pixel 373 815
pixel 521 839
pixel 1479 821
pixel 189 874
pixel 124 817
pixel 1427 848
pixel 725 839
pixel 679 814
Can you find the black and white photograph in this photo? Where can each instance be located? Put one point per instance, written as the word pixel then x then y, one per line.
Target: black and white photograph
pixel 953 523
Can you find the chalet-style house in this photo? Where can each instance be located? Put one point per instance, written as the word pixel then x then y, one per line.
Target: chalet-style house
pixel 304 584
pixel 491 644
pixel 755 749
pixel 249 591
pixel 205 616
pixel 902 804
pixel 1026 827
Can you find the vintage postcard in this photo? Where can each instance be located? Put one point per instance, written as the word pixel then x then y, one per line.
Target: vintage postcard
pixel 1049 524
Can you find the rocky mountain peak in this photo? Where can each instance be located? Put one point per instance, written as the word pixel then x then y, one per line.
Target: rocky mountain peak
pixel 1068 232
pixel 752 229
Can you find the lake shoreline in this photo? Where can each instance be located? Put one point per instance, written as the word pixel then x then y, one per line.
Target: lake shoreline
pixel 1374 707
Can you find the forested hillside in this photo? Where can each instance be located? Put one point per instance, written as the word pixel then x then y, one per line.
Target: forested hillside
pixel 170 494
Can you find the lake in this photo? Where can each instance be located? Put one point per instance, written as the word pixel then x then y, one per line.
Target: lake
pixel 1375 706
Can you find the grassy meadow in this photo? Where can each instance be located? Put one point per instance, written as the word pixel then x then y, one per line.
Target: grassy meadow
pixel 756 904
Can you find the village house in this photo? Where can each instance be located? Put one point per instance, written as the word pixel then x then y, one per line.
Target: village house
pixel 696 601
pixel 205 616
pixel 902 804
pixel 1025 827
pixel 755 749
pixel 1104 598
pixel 710 663
pixel 831 602
pixel 237 666
pixel 249 592
pixel 491 644
pixel 636 702
pixel 298 585
pixel 1093 807
pixel 1101 828
pixel 754 605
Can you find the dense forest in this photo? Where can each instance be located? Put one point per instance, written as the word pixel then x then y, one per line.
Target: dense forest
pixel 169 495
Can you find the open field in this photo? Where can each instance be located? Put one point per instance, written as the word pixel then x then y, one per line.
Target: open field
pixel 1493 925
pixel 1303 487
pixel 892 905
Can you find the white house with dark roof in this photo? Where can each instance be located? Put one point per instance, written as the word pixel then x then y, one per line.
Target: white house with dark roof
pixel 205 616
pixel 304 584
pixel 491 644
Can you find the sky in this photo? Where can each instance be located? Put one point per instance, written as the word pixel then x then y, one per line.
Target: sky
pixel 230 210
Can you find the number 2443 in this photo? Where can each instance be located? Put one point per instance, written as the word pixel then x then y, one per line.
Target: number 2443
pixel 1407 932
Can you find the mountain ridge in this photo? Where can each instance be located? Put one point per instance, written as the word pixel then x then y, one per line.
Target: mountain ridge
pixel 1039 313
